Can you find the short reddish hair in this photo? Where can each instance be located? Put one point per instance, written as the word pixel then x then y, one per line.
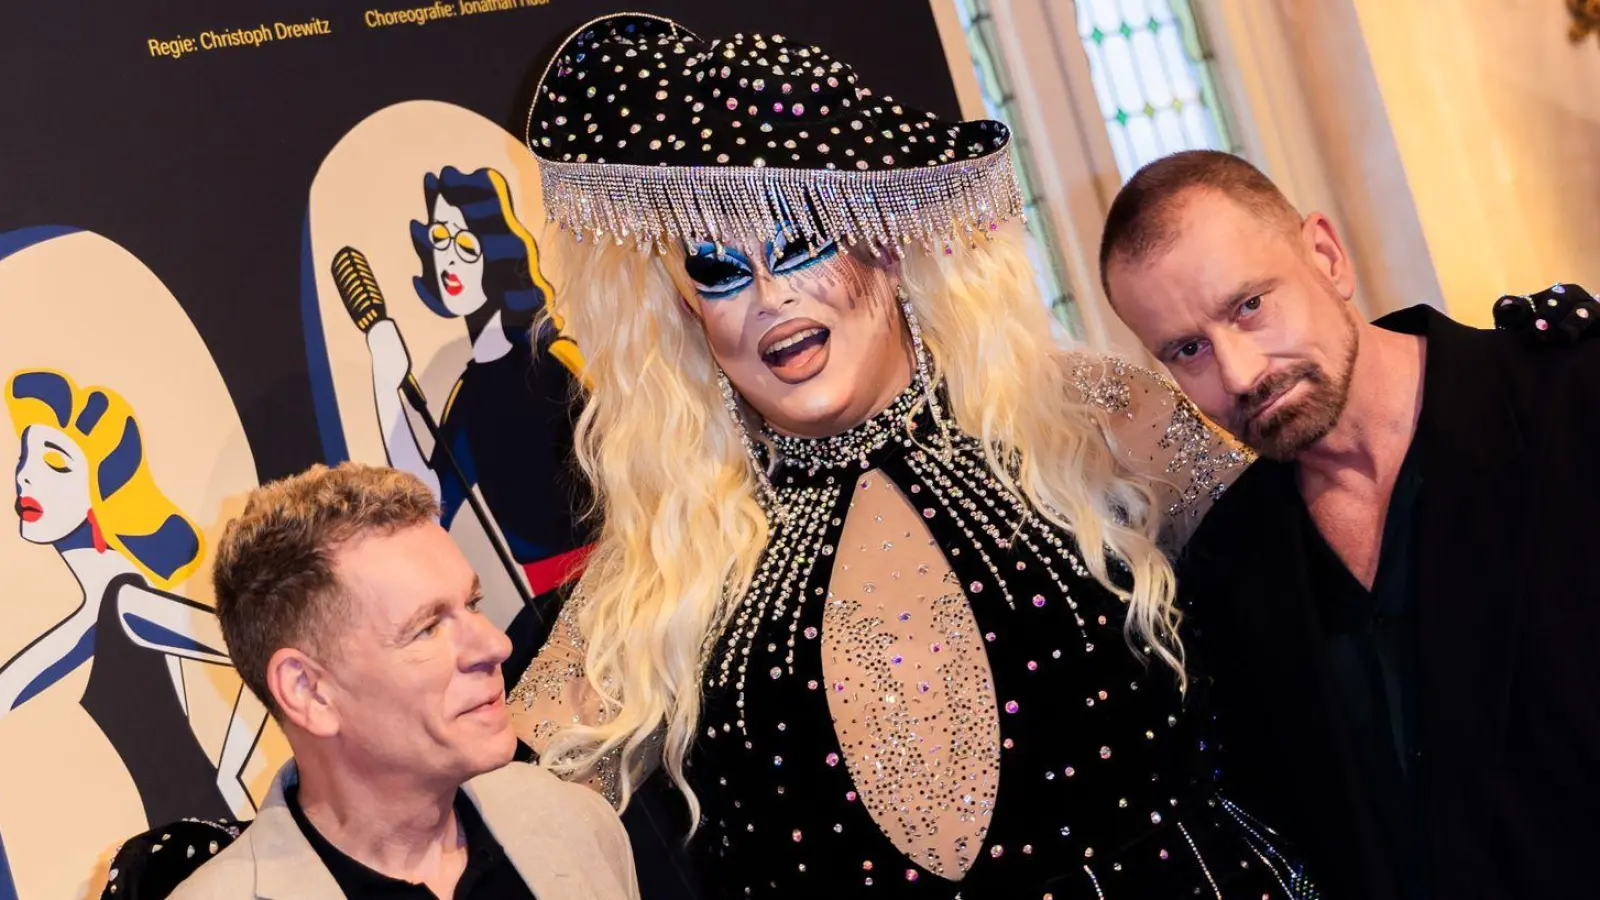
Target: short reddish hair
pixel 273 571
pixel 1142 217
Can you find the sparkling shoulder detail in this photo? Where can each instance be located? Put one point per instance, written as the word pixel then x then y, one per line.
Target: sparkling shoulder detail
pixel 1197 454
pixel 548 676
pixel 1104 384
pixel 1197 447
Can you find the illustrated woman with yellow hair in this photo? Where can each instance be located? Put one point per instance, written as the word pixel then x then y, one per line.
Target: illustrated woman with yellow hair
pixel 84 487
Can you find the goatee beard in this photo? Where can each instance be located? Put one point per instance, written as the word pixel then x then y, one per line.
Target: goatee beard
pixel 1288 430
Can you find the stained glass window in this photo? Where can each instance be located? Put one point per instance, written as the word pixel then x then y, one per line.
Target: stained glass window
pixel 1154 78
pixel 999 99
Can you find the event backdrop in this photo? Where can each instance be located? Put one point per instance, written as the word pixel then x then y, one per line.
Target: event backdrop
pixel 185 186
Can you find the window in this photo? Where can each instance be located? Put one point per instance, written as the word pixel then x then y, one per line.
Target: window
pixel 1155 90
pixel 1154 79
pixel 999 99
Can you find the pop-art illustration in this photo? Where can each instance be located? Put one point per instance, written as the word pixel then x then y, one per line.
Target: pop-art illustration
pixel 481 265
pixel 119 709
pixel 437 291
pixel 84 489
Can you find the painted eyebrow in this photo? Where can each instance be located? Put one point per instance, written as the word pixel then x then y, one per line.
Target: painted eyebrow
pixel 58 448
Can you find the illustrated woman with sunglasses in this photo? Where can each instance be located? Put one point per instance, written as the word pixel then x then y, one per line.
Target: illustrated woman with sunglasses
pixel 506 421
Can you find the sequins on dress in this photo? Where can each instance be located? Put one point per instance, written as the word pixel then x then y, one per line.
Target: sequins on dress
pixel 554 687
pixel 992 733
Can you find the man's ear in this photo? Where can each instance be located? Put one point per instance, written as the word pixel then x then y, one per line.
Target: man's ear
pixel 303 692
pixel 1321 240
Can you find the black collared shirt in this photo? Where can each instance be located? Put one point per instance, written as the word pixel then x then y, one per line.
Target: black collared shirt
pixel 489 874
pixel 1371 642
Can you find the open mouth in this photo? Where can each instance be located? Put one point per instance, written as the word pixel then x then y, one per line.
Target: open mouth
pixel 29 509
pixel 795 350
pixel 452 284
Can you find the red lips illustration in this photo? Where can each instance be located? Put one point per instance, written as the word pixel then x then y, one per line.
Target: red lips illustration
pixel 29 509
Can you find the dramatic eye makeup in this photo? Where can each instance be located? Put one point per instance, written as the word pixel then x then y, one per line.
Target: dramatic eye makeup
pixel 57 461
pixel 718 274
pixel 723 272
pixel 785 256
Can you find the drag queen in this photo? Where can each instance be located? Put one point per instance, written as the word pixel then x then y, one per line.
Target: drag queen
pixel 880 578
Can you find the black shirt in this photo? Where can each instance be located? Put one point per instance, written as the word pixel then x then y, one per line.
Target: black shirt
pixel 489 875
pixel 1507 606
pixel 1370 639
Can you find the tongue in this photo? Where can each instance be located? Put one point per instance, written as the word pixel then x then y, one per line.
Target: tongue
pixel 794 362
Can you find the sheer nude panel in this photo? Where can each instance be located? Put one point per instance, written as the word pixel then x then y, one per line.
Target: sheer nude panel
pixel 553 694
pixel 909 685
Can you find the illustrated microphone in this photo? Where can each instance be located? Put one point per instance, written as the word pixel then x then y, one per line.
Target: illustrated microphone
pixel 363 300
pixel 358 288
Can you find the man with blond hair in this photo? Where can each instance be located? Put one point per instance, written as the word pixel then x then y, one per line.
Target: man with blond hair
pixel 354 618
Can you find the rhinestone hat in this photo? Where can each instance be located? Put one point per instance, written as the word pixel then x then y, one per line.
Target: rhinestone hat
pixel 646 132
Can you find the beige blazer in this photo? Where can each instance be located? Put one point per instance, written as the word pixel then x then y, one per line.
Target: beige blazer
pixel 564 839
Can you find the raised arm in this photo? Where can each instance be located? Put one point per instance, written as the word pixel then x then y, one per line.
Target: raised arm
pixel 1159 434
pixel 170 624
pixel 554 694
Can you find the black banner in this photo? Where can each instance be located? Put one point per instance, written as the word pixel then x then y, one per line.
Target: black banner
pixel 181 181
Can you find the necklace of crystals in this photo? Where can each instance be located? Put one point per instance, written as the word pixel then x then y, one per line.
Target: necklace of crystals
pixel 855 446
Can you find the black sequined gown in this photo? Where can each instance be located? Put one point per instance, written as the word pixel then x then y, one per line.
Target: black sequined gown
pixel 925 694
pixel 918 687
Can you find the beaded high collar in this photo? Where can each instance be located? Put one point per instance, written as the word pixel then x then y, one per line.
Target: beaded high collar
pixel 862 446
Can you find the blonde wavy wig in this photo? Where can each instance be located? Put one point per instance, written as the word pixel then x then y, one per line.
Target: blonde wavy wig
pixel 681 530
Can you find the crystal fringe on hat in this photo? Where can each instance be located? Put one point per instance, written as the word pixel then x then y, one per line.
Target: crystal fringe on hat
pixel 894 209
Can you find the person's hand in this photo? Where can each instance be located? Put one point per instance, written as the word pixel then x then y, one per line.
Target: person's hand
pixel 390 361
pixel 1559 314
